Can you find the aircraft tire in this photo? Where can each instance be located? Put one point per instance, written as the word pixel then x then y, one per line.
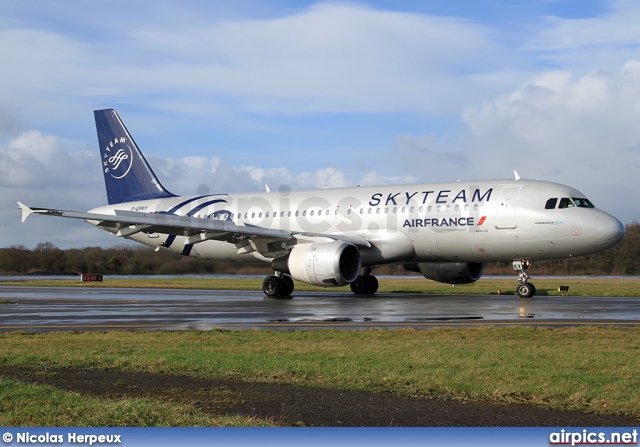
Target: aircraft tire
pixel 359 285
pixel 287 285
pixel 371 284
pixel 526 290
pixel 271 286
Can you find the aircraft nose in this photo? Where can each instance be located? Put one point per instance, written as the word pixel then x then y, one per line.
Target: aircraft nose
pixel 609 230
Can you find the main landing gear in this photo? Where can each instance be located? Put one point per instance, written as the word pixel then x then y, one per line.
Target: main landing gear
pixel 525 288
pixel 280 286
pixel 366 284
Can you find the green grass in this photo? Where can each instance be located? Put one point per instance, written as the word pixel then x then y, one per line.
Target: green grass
pixel 33 405
pixel 591 369
pixel 579 286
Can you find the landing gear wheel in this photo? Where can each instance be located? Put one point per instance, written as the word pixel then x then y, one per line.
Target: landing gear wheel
pixel 526 290
pixel 271 286
pixel 371 284
pixel 359 285
pixel 278 287
pixel 287 285
pixel 365 285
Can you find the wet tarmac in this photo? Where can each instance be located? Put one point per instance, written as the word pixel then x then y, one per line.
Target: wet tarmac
pixel 57 308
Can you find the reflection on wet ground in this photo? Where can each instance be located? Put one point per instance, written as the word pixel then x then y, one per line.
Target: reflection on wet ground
pixel 56 308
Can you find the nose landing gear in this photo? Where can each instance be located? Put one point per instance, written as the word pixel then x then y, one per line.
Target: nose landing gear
pixel 525 288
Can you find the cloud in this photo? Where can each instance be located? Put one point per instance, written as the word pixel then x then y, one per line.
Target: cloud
pixel 10 123
pixel 331 57
pixel 431 159
pixel 607 40
pixel 35 160
pixel 576 130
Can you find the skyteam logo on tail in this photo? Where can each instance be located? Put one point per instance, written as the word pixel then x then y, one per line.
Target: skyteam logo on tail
pixel 117 158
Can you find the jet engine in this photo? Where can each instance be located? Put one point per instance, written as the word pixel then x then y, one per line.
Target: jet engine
pixel 327 264
pixel 448 272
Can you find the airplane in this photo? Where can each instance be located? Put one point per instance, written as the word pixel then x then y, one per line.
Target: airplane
pixel 336 237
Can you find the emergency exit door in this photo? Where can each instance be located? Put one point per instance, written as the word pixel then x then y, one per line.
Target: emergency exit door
pixel 507 205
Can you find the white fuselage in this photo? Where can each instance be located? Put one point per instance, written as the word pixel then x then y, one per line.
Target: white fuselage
pixel 444 222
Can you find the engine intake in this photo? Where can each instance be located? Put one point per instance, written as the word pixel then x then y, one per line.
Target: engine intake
pixel 448 272
pixel 330 264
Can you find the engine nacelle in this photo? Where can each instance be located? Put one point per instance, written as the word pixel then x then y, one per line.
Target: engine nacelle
pixel 329 264
pixel 448 272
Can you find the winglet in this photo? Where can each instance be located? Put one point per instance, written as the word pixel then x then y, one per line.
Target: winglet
pixel 26 211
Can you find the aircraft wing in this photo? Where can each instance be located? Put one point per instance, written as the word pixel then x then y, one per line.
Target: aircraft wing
pixel 196 228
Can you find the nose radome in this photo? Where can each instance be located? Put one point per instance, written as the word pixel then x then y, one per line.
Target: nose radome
pixel 609 230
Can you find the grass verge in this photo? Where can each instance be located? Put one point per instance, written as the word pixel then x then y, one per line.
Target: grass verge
pixel 33 405
pixel 590 369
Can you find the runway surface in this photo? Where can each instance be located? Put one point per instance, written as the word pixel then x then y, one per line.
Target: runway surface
pixel 57 308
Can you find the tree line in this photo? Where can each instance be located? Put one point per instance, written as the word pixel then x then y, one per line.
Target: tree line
pixel 46 258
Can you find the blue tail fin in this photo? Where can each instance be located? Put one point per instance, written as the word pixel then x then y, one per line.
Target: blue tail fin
pixel 127 175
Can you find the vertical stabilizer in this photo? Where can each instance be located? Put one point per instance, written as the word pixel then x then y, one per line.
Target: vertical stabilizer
pixel 127 175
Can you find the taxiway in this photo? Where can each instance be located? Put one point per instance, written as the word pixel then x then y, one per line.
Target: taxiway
pixel 58 308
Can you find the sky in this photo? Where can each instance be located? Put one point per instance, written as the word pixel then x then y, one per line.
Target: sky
pixel 227 96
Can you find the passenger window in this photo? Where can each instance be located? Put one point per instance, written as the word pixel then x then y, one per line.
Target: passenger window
pixel 551 204
pixel 565 202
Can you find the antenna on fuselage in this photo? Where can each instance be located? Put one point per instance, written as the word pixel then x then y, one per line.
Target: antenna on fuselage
pixel 515 173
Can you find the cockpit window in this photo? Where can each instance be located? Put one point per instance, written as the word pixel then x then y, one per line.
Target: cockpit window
pixel 551 204
pixel 583 203
pixel 565 202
